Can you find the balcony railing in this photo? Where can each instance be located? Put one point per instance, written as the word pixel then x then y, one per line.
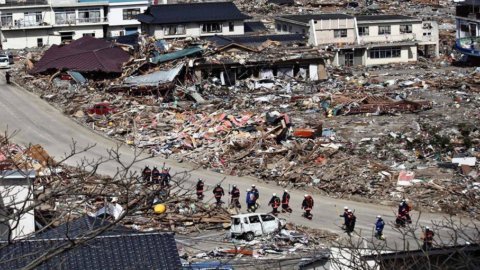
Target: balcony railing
pixel 22 24
pixel 387 38
pixel 468 46
pixel 81 21
pixel 17 3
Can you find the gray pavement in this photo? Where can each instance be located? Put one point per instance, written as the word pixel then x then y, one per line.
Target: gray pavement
pixel 37 122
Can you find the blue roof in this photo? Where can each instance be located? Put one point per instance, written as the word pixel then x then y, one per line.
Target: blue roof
pixel 192 12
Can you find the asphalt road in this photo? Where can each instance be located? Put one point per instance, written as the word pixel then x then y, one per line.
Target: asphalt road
pixel 36 122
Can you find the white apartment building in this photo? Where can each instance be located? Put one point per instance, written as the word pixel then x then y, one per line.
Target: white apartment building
pixel 36 23
pixel 366 40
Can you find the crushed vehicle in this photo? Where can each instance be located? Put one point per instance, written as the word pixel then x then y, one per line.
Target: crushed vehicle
pixel 255 224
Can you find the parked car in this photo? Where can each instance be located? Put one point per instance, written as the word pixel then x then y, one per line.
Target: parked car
pixel 4 61
pixel 102 108
pixel 255 224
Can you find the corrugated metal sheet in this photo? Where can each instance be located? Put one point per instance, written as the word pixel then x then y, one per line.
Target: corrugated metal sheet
pixel 160 58
pixel 155 78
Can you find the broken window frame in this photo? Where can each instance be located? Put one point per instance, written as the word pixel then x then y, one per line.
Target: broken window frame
pixel 65 16
pixel 340 33
pixel 363 31
pixel 384 29
pixel 6 20
pixel 130 13
pixel 385 52
pixel 406 29
pixel 89 15
pixel 266 218
pixel 214 27
pixel 174 30
pixel 32 18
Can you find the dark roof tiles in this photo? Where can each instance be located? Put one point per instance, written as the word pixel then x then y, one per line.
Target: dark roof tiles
pixel 192 12
pixel 384 17
pixel 87 54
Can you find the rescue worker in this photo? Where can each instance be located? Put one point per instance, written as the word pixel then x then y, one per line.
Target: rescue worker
pixel 351 220
pixel 307 205
pixel 255 192
pixel 155 176
pixel 275 203
pixel 286 202
pixel 218 193
pixel 427 238
pixel 165 177
pixel 345 217
pixel 379 225
pixel 404 208
pixel 146 174
pixel 235 193
pixel 251 201
pixel 7 77
pixel 401 218
pixel 200 186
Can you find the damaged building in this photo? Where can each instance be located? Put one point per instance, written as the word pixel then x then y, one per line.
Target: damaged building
pixel 366 40
pixel 468 28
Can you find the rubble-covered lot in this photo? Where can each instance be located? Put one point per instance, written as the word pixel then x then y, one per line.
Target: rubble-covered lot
pixel 376 133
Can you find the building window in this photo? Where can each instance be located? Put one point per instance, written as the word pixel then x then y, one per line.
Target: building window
pixel 384 30
pixel 89 16
pixel 39 42
pixel 363 31
pixel 304 31
pixel 65 17
pixel 284 28
pixel 172 30
pixel 340 33
pixel 131 30
pixel 427 25
pixel 387 52
pixel 32 18
pixel 89 34
pixel 212 28
pixel 7 20
pixel 405 29
pixel 279 27
pixel 231 26
pixel 130 13
pixel 464 28
pixel 66 37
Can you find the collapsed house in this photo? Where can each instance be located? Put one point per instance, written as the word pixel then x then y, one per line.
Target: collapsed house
pixel 86 54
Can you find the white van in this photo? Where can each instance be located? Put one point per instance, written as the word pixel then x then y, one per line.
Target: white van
pixel 5 60
pixel 255 224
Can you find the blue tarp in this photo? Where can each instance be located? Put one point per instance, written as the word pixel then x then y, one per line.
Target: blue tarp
pixel 208 266
pixel 160 58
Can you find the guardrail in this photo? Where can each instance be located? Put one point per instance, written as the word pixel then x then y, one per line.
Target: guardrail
pixel 468 46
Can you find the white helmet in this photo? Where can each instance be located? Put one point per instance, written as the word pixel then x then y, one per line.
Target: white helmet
pixel 349 211
pixel 346 207
pixel 248 190
pixel 427 228
pixel 274 194
pixel 306 195
pixel 379 216
pixel 286 190
pixel 253 185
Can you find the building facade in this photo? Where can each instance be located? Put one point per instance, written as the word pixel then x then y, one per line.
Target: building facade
pixel 468 28
pixel 193 20
pixel 366 40
pixel 37 23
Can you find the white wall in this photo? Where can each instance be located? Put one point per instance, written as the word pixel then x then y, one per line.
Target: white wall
pixel 194 30
pixel 402 59
pixel 27 39
pixel 115 14
pixel 18 197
